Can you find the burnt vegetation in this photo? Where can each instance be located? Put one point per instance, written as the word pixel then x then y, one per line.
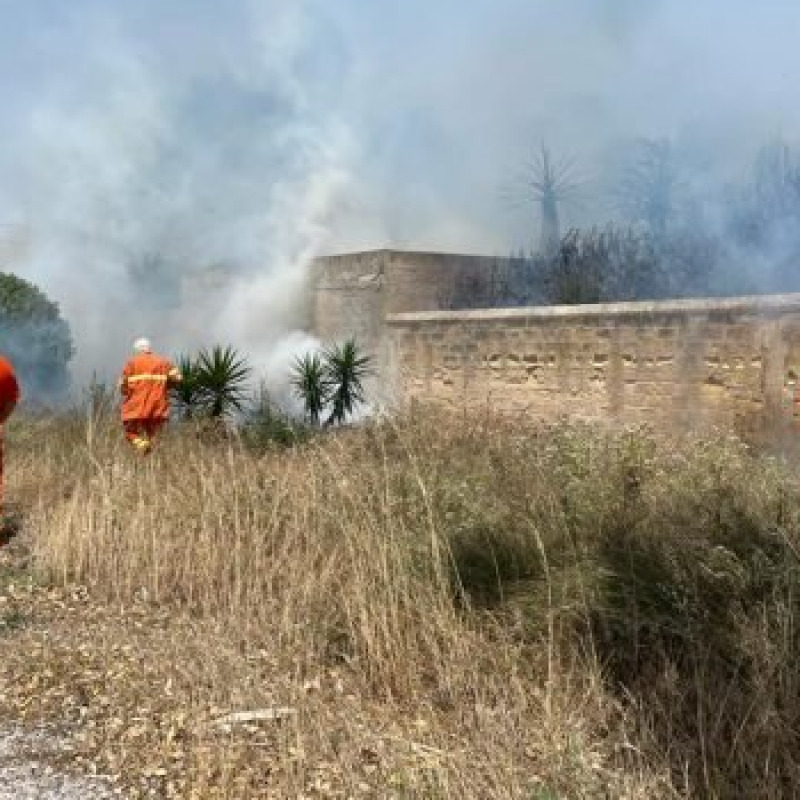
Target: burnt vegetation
pixel 670 235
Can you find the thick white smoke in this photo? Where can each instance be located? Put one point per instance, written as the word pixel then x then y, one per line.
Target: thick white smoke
pixel 178 164
pixel 175 182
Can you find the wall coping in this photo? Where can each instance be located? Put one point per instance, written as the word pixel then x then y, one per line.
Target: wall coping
pixel 747 303
pixel 390 251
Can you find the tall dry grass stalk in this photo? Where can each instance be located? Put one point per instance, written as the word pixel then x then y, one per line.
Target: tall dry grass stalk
pixel 532 590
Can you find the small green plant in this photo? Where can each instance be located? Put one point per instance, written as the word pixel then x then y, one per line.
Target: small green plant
pixel 222 375
pixel 308 380
pixel 346 369
pixel 36 338
pixel 12 620
pixel 266 424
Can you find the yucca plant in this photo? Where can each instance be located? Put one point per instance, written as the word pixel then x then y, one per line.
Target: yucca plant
pixel 345 370
pixel 222 376
pixel 309 384
pixel 187 395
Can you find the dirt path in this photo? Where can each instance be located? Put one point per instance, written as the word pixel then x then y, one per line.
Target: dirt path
pixel 24 775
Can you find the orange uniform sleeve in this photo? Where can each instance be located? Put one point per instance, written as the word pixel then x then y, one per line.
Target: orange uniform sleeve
pixel 123 381
pixel 9 390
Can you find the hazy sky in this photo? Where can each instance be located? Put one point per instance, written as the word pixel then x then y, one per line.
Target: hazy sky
pixel 261 132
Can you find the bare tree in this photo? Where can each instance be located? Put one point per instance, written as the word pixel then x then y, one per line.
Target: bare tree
pixel 764 214
pixel 646 188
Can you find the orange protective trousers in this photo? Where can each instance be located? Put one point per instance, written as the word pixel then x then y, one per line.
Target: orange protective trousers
pixel 141 432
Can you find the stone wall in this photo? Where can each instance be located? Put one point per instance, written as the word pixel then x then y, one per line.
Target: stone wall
pixel 676 364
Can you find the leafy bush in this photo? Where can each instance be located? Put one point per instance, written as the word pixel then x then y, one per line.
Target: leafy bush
pixel 35 338
pixel 674 566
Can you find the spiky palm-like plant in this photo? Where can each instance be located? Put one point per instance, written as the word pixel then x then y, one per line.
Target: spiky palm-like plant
pixel 551 182
pixel 187 395
pixel 222 375
pixel 309 383
pixel 346 369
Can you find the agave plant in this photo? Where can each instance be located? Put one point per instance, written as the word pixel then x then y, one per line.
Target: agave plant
pixel 222 376
pixel 187 395
pixel 309 383
pixel 345 371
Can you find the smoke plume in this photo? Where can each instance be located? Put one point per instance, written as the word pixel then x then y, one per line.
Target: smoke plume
pixel 175 166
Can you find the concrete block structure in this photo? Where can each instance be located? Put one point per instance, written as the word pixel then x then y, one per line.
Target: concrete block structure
pixel 731 363
pixel 353 294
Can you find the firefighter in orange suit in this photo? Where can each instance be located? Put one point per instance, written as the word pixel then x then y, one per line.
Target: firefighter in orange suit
pixel 145 384
pixel 9 397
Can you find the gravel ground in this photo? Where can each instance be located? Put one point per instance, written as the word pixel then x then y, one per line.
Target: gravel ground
pixel 24 777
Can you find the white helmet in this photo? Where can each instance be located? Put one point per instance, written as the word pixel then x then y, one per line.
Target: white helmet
pixel 142 345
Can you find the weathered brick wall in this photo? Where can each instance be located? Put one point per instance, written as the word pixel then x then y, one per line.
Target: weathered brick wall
pixel 677 364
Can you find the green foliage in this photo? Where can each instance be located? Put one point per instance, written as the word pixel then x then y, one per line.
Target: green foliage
pixel 187 395
pixel 309 383
pixel 346 369
pixel 12 620
pixel 335 379
pixel 213 385
pixel 675 566
pixel 35 337
pixel 222 376
pixel 266 425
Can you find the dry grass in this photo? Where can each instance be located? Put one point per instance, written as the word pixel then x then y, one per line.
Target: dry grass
pixel 453 608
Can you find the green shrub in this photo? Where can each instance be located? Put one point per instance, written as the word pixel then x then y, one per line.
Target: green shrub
pixel 672 566
pixel 335 378
pixel 36 339
pixel 222 375
pixel 213 386
pixel 266 425
pixel 309 385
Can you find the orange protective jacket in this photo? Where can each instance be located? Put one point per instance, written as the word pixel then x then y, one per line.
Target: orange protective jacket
pixel 145 387
pixel 9 390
